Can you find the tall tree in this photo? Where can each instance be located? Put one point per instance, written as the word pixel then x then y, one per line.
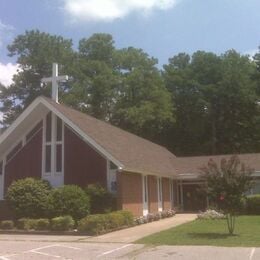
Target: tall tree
pixel 216 101
pixel 35 52
pixel 95 86
pixel 144 104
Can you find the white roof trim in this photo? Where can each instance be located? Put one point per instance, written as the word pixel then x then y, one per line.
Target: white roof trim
pixel 85 137
pixel 18 120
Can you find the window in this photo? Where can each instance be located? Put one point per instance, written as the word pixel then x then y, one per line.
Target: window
pixel 58 158
pixel 48 127
pixel 48 158
pixel 53 143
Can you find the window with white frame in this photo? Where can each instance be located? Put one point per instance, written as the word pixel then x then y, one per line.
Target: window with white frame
pixel 53 145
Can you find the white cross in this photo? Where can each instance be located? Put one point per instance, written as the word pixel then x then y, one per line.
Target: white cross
pixel 55 81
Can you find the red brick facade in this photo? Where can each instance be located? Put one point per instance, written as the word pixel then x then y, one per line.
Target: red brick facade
pixel 166 203
pixel 82 164
pixel 130 192
pixel 152 194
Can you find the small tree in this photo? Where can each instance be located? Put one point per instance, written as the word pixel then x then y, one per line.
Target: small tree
pixel 226 186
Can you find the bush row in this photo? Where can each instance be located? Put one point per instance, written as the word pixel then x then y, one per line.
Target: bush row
pixel 103 223
pixel 62 223
pixel 32 198
pixel 92 224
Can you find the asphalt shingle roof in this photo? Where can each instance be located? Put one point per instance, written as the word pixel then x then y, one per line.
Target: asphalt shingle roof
pixel 135 153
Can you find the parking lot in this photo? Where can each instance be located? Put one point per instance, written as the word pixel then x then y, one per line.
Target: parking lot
pixel 15 247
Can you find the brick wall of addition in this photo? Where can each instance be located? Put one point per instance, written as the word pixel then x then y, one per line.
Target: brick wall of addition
pixel 130 194
pixel 166 194
pixel 152 194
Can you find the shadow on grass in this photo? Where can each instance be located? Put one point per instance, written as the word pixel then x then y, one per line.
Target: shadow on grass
pixel 210 235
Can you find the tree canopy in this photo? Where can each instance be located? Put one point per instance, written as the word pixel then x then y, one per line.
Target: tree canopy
pixel 202 103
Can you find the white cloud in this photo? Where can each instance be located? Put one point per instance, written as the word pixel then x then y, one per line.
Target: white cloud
pixel 6 73
pixel 109 10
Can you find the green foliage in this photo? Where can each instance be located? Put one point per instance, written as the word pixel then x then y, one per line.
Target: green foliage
pixel 252 204
pixel 215 100
pixel 28 197
pixel 102 223
pixel 7 224
pixel 62 223
pixel 42 224
pixel 35 52
pixel 101 200
pixel 68 200
pixel 26 224
pixel 226 186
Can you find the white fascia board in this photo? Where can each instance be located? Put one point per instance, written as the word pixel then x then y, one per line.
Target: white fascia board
pixel 20 119
pixel 85 137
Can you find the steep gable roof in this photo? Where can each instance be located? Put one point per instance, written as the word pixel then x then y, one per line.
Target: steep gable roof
pixel 133 152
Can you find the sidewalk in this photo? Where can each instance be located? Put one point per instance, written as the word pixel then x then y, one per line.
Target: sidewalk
pixel 132 234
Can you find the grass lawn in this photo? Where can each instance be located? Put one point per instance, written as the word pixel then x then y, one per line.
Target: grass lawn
pixel 210 232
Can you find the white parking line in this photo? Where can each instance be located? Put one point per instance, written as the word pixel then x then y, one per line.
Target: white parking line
pixel 252 253
pixel 114 250
pixel 37 251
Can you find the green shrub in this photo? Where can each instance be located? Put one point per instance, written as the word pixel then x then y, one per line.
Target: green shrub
pixel 101 200
pixel 253 204
pixel 7 224
pixel 115 220
pixel 26 224
pixel 128 217
pixel 94 224
pixel 42 224
pixel 28 197
pixel 102 223
pixel 68 200
pixel 62 223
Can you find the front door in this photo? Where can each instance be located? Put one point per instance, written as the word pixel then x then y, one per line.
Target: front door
pixel 194 199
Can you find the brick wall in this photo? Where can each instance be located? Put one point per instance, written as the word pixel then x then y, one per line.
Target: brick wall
pixel 166 194
pixel 152 194
pixel 130 195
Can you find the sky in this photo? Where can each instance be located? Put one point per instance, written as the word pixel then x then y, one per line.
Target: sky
pixel 162 28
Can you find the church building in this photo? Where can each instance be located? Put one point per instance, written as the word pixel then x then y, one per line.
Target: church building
pixel 54 142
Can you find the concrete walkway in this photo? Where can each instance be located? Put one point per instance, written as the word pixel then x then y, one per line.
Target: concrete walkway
pixel 132 234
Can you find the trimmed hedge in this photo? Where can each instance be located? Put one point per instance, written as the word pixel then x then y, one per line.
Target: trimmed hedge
pixel 62 223
pixel 26 224
pixel 7 224
pixel 103 223
pixel 68 200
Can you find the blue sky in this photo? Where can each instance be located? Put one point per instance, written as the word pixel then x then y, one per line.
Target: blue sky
pixel 162 28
